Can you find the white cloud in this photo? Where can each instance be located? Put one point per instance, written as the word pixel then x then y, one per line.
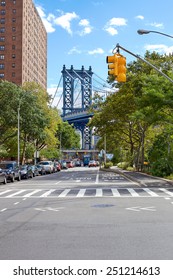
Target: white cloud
pixel 46 20
pixel 111 30
pixel 158 25
pixel 74 50
pixel 113 23
pixel 87 28
pixel 140 17
pixel 160 48
pixel 65 21
pixel 117 22
pixel 57 100
pixel 96 51
pixel 84 22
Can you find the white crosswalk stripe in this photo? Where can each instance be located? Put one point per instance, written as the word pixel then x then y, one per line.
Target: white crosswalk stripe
pixel 133 193
pixel 86 192
pixel 151 192
pixel 81 193
pixel 115 192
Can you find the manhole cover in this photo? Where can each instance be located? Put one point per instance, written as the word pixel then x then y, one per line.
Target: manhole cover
pixel 102 205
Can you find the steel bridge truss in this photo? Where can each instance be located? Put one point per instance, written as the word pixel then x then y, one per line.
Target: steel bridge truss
pixel 78 115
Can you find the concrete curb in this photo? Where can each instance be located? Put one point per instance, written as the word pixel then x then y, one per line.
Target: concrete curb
pixel 128 176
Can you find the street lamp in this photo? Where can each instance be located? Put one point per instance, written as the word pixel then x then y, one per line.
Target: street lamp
pixel 18 135
pixel 142 32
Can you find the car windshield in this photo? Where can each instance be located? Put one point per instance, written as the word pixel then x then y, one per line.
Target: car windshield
pixel 6 165
pixel 23 167
pixel 45 163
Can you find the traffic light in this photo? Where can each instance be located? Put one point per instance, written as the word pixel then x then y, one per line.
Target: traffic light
pixel 121 75
pixel 112 65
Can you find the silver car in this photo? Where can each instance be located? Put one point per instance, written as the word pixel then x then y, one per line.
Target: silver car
pixel 3 177
pixel 48 166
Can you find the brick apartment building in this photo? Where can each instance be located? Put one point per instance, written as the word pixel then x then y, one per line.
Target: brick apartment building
pixel 23 43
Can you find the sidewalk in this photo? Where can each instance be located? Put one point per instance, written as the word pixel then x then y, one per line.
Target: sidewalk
pixel 144 180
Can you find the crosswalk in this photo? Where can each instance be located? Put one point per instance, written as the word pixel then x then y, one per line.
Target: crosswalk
pixel 86 192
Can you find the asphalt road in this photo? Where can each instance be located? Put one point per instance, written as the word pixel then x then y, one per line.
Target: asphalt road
pixel 84 213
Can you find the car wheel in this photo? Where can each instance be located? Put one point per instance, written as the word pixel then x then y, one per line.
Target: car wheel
pixel 12 179
pixel 5 181
pixel 19 178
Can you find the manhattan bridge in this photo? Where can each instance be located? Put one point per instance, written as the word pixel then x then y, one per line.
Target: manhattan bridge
pixel 74 94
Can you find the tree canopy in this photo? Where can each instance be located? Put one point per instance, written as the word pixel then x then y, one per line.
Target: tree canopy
pixel 138 112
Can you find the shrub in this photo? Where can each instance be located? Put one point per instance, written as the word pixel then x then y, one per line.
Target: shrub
pixel 108 164
pixel 123 165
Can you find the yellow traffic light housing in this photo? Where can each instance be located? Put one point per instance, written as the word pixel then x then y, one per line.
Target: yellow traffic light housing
pixel 117 67
pixel 112 65
pixel 121 77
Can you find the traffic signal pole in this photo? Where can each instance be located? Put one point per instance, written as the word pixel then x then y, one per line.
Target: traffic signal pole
pixel 144 60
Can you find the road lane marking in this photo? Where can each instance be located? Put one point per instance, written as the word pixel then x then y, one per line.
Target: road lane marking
pixel 97 178
pixel 150 192
pixel 166 191
pixel 31 193
pixel 16 203
pixel 139 208
pixel 99 192
pixel 115 192
pixel 81 193
pixel 133 192
pixel 58 182
pixel 64 193
pixel 49 209
pixel 47 193
pixel 5 192
pixel 3 209
pixel 16 193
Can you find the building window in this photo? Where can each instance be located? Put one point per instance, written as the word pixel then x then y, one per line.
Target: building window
pixel 1 65
pixel 2 12
pixel 14 11
pixel 1 75
pixel 13 29
pixel 2 48
pixel 2 39
pixel 2 30
pixel 13 55
pixel 2 57
pixel 2 3
pixel 13 74
pixel 2 20
pixel 13 19
pixel 13 47
pixel 13 38
pixel 13 65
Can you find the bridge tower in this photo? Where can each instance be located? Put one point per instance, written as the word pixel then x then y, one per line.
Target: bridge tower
pixel 78 115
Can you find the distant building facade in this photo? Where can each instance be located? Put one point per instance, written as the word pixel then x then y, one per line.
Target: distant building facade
pixel 23 43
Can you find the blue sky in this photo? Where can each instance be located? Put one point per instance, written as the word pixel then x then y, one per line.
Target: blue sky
pixel 84 32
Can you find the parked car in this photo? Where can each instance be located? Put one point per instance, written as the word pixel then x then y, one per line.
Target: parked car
pixel 3 177
pixel 57 166
pixel 63 164
pixel 92 163
pixel 11 169
pixel 26 172
pixel 69 163
pixel 41 169
pixel 34 170
pixel 48 165
pixel 78 163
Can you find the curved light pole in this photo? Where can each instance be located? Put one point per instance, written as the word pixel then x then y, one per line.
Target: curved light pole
pixel 142 32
